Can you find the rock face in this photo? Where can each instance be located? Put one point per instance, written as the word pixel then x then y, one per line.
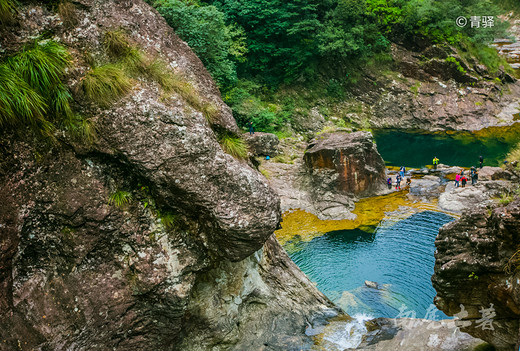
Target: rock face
pixel 346 162
pixel 188 249
pixel 475 268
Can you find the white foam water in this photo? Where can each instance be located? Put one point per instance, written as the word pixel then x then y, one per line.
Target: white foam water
pixel 341 335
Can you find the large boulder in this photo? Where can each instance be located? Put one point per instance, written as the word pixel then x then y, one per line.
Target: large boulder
pixel 262 144
pixel 80 272
pixel 476 275
pixel 346 163
pixel 492 173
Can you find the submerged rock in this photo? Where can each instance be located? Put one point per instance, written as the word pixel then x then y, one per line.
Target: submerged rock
pixel 372 285
pixel 476 275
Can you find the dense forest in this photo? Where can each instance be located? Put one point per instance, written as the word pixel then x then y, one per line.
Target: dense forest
pixel 256 49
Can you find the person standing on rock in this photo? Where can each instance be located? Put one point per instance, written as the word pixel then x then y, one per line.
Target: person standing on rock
pixel 457 180
pixel 251 128
pixel 435 162
pixel 474 177
pixel 398 182
pixel 481 160
pixel 408 181
pixel 389 183
pixel 401 171
pixel 463 181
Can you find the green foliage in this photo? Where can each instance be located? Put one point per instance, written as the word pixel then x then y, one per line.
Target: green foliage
pixel 508 5
pixel 7 12
pixel 514 154
pixel 105 84
pixel 117 44
pixel 168 219
pixel 203 27
pixel 234 145
pixel 32 92
pixel 456 62
pixel 473 275
pixel 120 198
pixel 80 128
pixel 247 106
pixel 19 104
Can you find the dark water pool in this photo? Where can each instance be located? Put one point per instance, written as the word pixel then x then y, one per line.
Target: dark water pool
pixel 399 256
pixel 417 149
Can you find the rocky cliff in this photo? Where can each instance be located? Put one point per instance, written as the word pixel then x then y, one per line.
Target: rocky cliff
pixel 186 261
pixel 476 273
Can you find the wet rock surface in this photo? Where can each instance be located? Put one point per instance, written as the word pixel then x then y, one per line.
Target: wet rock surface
pixel 78 272
pixel 475 273
pixel 416 334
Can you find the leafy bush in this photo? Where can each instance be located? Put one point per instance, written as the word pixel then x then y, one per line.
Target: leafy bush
pixel 105 84
pixel 234 145
pixel 203 27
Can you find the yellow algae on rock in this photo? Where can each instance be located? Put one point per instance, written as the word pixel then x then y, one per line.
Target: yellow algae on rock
pixel 369 212
pixel 305 226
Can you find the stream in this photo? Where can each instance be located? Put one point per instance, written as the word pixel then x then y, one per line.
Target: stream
pixel 380 265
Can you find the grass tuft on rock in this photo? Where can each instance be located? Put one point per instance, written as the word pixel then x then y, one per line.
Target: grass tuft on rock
pixel 120 198
pixel 80 128
pixel 105 84
pixel 19 104
pixel 234 145
pixel 117 44
pixel 7 12
pixel 68 14
pixel 168 219
pixel 41 65
pixel 135 62
pixel 31 88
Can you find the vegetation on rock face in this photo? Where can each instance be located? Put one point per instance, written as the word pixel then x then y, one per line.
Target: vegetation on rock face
pixel 105 84
pixel 120 198
pixel 233 145
pixel 33 94
pixel 276 46
pixel 7 11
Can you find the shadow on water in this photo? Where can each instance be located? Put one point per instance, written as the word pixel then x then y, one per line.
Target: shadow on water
pixel 417 148
pixel 398 256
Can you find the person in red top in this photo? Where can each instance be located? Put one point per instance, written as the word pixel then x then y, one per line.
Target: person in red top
pixel 464 180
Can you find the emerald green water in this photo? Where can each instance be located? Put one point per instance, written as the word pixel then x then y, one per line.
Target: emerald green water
pixel 398 255
pixel 417 148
